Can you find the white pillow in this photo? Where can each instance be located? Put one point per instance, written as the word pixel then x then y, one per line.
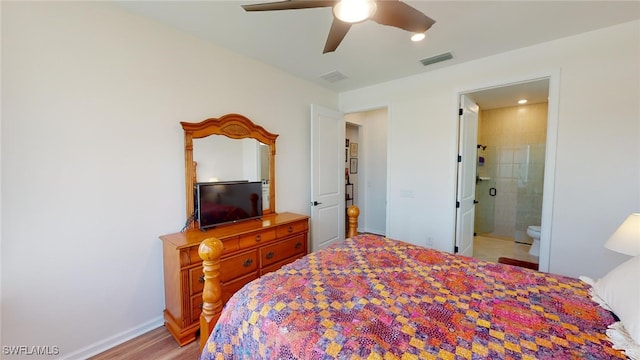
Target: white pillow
pixel 620 289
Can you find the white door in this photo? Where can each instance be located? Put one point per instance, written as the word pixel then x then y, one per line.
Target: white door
pixel 466 190
pixel 327 177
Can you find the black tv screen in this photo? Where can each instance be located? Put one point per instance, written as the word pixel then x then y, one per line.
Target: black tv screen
pixel 227 202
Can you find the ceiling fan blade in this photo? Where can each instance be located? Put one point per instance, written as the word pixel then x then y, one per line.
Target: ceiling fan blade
pixel 289 5
pixel 337 32
pixel 403 16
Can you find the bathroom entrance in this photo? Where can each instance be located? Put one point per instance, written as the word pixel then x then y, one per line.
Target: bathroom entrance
pixel 510 170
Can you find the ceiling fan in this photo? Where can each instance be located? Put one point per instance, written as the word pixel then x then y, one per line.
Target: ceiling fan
pixel 347 12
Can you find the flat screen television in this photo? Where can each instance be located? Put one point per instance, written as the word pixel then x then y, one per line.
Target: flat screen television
pixel 220 203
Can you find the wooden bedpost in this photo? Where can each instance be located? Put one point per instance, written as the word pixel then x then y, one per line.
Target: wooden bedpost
pixel 210 251
pixel 352 213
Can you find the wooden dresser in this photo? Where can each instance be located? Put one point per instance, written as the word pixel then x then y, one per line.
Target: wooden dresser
pixel 251 248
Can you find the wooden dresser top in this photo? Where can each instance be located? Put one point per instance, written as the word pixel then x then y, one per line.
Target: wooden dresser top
pixel 195 236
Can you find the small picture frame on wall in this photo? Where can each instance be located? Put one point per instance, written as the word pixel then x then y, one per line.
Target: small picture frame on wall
pixel 353 166
pixel 353 149
pixel 346 155
pixel 346 144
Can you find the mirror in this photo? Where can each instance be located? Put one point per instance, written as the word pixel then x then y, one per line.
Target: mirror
pixel 241 159
pixel 229 148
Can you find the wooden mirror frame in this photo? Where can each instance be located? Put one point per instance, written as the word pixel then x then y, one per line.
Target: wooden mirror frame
pixel 234 126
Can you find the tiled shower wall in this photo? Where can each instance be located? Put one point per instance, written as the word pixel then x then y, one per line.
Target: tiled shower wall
pixel 516 139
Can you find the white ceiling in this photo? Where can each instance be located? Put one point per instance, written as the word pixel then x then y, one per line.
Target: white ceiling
pixel 293 40
pixel 534 92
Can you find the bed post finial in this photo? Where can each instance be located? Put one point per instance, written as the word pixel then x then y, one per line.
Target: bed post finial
pixel 210 251
pixel 352 213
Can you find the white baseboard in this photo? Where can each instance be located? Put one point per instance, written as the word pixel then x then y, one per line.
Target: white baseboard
pixel 117 339
pixel 372 231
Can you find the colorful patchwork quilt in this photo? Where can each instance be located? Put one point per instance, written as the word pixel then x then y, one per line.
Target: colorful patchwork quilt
pixel 370 297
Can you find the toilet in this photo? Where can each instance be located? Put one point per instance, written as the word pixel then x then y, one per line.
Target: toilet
pixel 534 232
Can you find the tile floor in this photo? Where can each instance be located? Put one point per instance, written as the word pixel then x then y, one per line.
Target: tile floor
pixel 491 248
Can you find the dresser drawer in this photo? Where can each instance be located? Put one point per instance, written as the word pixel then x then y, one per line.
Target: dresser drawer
pixel 283 249
pixel 292 228
pixel 238 265
pixel 196 307
pixel 196 280
pixel 257 238
pixel 230 288
pixel 229 245
pixel 277 266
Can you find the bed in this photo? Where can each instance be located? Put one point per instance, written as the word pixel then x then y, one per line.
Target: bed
pixel 370 297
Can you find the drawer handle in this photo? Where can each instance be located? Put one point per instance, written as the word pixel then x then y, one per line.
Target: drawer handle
pixel 290 229
pixel 270 255
pixel 247 262
pixel 201 279
pixel 298 245
pixel 200 306
pixel 258 238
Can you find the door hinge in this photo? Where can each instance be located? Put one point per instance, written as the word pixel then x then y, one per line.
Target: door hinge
pixel 457 204
pixel 460 111
pixel 455 250
pixel 459 158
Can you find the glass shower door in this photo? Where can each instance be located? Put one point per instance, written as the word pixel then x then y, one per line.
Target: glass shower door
pixel 486 205
pixel 485 190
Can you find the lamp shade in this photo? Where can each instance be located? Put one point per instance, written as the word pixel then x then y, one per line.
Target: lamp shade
pixel 626 239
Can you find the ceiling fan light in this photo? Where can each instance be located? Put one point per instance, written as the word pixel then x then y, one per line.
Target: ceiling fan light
pixel 418 37
pixel 353 11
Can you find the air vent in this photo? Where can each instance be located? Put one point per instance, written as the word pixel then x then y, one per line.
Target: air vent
pixel 334 76
pixel 436 59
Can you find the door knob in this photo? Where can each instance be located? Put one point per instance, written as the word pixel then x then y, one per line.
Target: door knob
pixel 315 203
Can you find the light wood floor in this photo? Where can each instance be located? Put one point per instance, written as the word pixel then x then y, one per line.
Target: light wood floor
pixel 156 344
pixel 490 249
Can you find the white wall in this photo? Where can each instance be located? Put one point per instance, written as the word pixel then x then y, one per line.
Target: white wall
pixel 598 153
pixel 93 164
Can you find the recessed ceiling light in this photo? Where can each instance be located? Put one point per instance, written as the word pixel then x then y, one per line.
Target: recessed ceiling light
pixel 523 101
pixel 418 37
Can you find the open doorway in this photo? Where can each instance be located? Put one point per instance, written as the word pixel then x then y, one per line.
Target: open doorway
pixel 514 170
pixel 352 164
pixel 366 168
